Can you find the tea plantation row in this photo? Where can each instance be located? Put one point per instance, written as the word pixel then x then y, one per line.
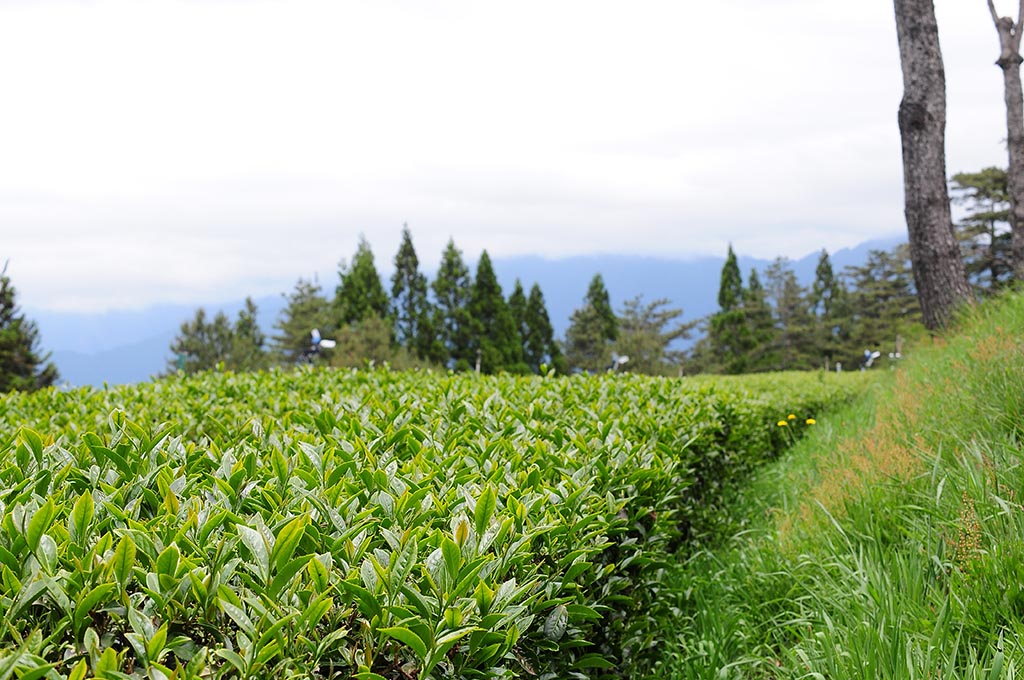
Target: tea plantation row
pixel 370 525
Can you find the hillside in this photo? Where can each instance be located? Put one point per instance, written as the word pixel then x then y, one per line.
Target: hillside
pixel 885 545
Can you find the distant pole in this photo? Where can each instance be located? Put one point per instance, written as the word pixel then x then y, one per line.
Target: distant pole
pixel 479 354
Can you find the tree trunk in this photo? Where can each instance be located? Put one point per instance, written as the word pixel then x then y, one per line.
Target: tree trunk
pixel 938 270
pixel 1009 61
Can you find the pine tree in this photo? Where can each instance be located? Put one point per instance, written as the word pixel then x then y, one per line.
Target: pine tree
pixel 823 289
pixel 203 345
pixel 306 309
pixel 839 340
pixel 451 317
pixel 760 327
pixel 586 340
pixel 539 343
pixel 360 293
pixel 729 343
pixel 364 344
pixel 597 297
pixel 592 329
pixel 984 232
pixel 883 302
pixel 495 338
pixel 248 342
pixel 828 306
pixel 22 365
pixel 794 336
pixel 517 308
pixel 200 344
pixel 646 334
pixel 410 307
pixel 730 288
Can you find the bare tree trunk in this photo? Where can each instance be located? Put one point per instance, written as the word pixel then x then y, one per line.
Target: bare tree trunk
pixel 1009 61
pixel 938 270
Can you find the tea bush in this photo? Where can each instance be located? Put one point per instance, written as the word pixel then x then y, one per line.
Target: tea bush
pixel 365 524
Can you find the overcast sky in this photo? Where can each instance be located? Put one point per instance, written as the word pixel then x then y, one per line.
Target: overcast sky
pixel 203 150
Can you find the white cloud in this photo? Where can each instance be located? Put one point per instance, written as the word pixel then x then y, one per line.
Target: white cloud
pixel 181 150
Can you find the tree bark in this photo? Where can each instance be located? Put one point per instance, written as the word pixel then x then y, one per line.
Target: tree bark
pixel 938 269
pixel 1009 61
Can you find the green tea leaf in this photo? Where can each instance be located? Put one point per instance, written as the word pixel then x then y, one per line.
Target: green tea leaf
pixel 167 561
pixel 123 560
pixel 257 546
pixel 88 602
pixel 452 557
pixel 79 671
pixel 409 638
pixel 484 509
pixel 287 540
pixel 555 624
pixel 156 643
pixel 81 517
pixel 40 522
pixel 233 658
pixel 593 661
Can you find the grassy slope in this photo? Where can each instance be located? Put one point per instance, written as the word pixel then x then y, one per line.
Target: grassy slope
pixel 887 544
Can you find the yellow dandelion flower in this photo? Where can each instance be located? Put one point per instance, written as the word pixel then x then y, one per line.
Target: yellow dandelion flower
pixel 812 421
pixel 783 423
pixel 791 417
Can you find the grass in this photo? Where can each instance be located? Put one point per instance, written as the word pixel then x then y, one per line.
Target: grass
pixel 889 543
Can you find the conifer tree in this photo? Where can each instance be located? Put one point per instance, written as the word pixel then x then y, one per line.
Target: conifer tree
pixel 410 307
pixel 307 309
pixel 760 338
pixel 495 339
pixel 823 290
pixel 592 329
pixel 794 336
pixel 539 342
pixel 828 305
pixel 646 334
pixel 883 301
pixel 451 315
pixel 23 367
pixel 730 287
pixel 984 232
pixel 597 297
pixel 729 342
pixel 586 340
pixel 517 308
pixel 248 342
pixel 203 345
pixel 364 344
pixel 360 293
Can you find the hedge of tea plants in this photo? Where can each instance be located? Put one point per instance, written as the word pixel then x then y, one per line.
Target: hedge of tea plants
pixel 365 524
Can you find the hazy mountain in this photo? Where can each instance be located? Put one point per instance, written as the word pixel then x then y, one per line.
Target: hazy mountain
pixel 131 346
pixel 126 346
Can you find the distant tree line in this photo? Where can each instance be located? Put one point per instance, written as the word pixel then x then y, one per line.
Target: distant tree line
pixel 463 321
pixel 781 325
pixel 457 321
